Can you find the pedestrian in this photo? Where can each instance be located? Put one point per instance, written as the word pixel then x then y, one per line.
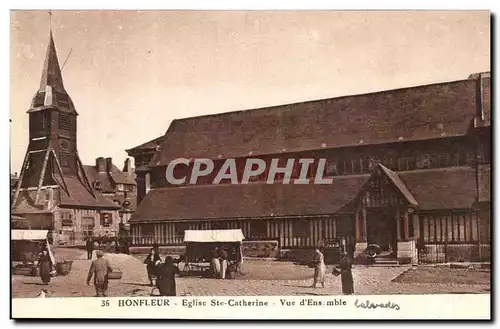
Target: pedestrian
pixel 345 266
pixel 223 256
pixel 166 277
pixel 45 266
pixel 90 247
pixel 319 268
pixel 215 263
pixel 152 261
pixel 99 269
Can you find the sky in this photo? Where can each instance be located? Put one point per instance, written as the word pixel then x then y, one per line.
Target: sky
pixel 130 73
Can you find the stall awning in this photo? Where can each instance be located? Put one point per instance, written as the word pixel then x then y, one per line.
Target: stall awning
pixel 213 236
pixel 29 234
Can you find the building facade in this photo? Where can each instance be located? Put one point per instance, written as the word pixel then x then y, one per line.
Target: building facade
pixel 54 191
pixel 118 186
pixel 411 171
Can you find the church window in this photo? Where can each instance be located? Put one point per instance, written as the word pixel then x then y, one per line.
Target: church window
pixel 64 121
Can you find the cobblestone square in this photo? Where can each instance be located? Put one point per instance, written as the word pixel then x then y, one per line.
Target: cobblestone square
pixel 367 280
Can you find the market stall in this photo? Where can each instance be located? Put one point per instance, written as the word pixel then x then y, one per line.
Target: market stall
pixel 25 248
pixel 201 245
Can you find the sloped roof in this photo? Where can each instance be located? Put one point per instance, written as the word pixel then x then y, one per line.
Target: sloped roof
pixel 80 196
pixel 150 145
pixel 25 203
pixel 448 188
pixel 107 179
pixel 416 113
pixel 399 185
pixel 248 200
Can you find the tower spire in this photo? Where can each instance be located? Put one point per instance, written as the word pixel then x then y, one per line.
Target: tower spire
pixel 51 74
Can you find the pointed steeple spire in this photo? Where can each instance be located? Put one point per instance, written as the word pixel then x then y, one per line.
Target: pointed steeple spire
pixel 51 74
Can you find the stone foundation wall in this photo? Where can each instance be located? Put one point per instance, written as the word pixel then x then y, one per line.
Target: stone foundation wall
pixel 260 249
pixel 407 252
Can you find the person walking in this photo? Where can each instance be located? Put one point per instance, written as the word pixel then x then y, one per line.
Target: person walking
pixel 319 268
pixel 166 277
pixel 345 266
pixel 223 256
pixel 45 266
pixel 99 269
pixel 152 261
pixel 215 263
pixel 89 245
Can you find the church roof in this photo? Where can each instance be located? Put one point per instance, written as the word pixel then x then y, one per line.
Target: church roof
pixel 51 74
pixel 248 200
pixel 432 189
pixel 51 92
pixel 416 113
pixel 150 145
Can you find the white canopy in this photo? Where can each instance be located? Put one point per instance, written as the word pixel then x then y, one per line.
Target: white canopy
pixel 29 234
pixel 213 236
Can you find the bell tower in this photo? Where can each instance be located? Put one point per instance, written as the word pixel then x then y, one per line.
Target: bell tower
pixel 52 151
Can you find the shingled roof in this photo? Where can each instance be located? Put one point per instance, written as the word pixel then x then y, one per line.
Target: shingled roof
pixel 432 189
pixel 447 188
pixel 150 145
pixel 248 200
pixel 416 113
pixel 80 196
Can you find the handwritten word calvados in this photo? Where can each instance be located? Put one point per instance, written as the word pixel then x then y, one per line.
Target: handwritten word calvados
pixel 370 305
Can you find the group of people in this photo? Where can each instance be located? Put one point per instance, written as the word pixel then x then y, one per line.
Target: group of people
pixel 161 274
pixel 121 244
pixel 344 269
pixel 220 264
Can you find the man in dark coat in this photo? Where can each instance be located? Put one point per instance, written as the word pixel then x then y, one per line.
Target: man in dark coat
pixel 345 266
pixel 45 265
pixel 166 277
pixel 99 269
pixel 90 247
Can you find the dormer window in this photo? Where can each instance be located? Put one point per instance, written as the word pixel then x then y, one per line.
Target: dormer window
pixel 97 185
pixel 39 100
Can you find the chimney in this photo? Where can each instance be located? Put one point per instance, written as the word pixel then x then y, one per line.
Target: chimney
pixel 109 164
pixel 100 164
pixel 127 167
pixel 49 198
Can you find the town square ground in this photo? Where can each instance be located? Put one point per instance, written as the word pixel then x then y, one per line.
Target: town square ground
pixel 259 278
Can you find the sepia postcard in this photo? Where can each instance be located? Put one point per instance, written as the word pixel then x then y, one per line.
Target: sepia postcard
pixel 250 164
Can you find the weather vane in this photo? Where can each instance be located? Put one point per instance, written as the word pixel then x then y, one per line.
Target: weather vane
pixel 50 19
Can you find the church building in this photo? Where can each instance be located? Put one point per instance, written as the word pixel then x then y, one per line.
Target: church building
pixel 411 171
pixel 54 191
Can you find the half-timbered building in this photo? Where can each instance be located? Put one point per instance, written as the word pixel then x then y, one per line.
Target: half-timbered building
pixel 410 170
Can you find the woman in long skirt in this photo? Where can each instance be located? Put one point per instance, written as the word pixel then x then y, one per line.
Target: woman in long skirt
pixel 151 262
pixel 45 265
pixel 166 277
pixel 319 268
pixel 215 264
pixel 345 266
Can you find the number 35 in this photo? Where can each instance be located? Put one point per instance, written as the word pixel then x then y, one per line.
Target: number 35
pixel 104 303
